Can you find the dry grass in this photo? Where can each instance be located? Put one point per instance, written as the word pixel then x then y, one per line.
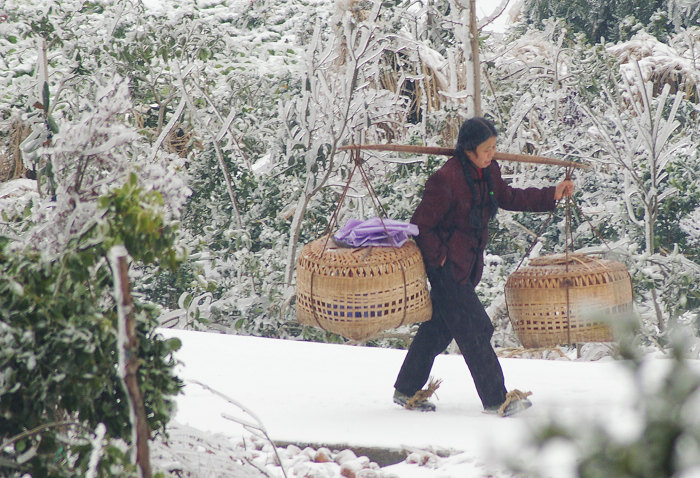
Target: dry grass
pixel 11 164
pixel 423 395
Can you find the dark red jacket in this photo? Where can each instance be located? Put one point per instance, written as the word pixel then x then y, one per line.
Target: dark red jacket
pixel 443 221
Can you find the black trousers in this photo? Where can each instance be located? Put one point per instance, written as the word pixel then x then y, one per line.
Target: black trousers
pixel 459 314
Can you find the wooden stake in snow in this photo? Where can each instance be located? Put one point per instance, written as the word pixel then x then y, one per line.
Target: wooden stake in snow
pixel 128 358
pixel 521 158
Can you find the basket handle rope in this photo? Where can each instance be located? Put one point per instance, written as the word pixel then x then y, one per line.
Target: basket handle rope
pixel 569 245
pixel 381 214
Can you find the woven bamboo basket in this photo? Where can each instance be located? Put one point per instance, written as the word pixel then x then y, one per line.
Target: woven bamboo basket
pixel 359 292
pixel 559 299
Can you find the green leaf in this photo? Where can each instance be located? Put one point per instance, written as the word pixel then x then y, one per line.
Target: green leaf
pixel 188 300
pixel 45 96
pixel 21 446
pixel 53 126
pixel 173 344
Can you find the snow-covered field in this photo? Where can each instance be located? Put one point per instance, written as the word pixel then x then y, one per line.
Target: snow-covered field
pixel 339 397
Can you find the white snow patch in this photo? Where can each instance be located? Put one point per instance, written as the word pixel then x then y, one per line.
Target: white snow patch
pixel 339 396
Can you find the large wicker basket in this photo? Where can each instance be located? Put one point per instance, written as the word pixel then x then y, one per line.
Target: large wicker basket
pixel 359 292
pixel 560 299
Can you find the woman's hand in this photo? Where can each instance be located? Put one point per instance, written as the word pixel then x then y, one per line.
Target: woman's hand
pixel 564 189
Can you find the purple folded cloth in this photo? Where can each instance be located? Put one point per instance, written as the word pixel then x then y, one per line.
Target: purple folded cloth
pixel 373 232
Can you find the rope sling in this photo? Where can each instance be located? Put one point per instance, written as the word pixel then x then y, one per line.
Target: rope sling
pixel 568 298
pixel 361 291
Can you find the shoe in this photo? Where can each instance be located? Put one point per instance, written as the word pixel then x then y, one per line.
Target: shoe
pixel 516 402
pixel 413 403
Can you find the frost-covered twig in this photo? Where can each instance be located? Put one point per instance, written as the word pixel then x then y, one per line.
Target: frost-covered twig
pixel 97 451
pixel 219 154
pixel 187 451
pixel 500 10
pixel 226 126
pixel 250 426
pixel 168 127
pixel 256 466
pixel 39 429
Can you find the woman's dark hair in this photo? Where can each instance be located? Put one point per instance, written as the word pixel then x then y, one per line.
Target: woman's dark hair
pixel 473 132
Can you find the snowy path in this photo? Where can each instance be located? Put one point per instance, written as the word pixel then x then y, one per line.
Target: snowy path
pixel 341 395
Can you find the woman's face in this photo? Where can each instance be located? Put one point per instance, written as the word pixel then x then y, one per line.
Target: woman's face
pixel 484 153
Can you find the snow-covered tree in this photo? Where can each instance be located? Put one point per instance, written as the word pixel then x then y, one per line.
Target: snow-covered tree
pixel 246 108
pixel 616 20
pixel 97 188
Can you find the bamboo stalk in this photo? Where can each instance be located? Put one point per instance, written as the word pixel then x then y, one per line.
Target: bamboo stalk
pixel 499 156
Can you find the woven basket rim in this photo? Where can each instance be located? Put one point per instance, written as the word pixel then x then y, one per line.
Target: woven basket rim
pixel 333 255
pixel 562 259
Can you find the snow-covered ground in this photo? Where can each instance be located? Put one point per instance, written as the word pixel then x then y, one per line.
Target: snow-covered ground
pixel 339 397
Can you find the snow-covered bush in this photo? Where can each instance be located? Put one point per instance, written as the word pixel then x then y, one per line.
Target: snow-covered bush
pixel 62 403
pixel 616 20
pixel 58 345
pixel 663 440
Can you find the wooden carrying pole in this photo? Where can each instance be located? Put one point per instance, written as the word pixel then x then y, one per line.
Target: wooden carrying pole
pixel 498 156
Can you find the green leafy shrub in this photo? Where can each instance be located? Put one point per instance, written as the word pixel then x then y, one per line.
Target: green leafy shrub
pixel 58 344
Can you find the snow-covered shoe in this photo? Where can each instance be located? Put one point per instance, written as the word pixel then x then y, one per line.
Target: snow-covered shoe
pixel 419 401
pixel 412 404
pixel 516 401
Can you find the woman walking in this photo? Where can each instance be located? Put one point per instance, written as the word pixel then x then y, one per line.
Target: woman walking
pixel 452 218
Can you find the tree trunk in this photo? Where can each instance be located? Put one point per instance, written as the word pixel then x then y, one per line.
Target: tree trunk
pixel 476 62
pixel 649 222
pixel 129 359
pixel 302 204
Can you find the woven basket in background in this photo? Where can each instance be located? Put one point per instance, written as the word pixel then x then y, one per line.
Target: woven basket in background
pixel 599 291
pixel 359 292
